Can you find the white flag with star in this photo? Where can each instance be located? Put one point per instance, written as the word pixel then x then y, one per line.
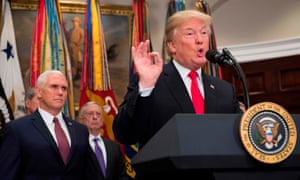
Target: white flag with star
pixel 10 71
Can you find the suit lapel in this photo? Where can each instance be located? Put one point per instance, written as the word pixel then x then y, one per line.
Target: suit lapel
pixel 72 134
pixel 177 88
pixel 40 125
pixel 210 94
pixel 95 163
pixel 109 156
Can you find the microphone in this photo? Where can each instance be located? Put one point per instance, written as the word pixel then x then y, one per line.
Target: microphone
pixel 219 58
pixel 226 58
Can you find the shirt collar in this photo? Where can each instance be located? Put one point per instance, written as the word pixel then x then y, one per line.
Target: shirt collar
pixel 47 117
pixel 183 71
pixel 91 137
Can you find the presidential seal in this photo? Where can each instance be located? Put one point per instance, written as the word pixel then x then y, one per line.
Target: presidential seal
pixel 268 132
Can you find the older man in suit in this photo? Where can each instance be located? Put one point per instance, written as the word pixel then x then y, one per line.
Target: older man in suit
pixel 31 101
pixel 111 165
pixel 45 144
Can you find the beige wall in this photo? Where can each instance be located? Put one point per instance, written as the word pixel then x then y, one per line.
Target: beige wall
pixel 236 22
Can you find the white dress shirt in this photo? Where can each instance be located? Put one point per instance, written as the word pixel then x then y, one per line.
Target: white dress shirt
pixel 48 119
pixel 101 145
pixel 184 76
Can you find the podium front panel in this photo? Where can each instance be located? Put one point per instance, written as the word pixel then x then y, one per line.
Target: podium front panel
pixel 205 143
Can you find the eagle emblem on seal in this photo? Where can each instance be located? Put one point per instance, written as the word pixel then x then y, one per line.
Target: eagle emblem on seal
pixel 268 130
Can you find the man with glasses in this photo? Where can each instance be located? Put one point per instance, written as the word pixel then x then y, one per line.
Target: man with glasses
pixel 106 157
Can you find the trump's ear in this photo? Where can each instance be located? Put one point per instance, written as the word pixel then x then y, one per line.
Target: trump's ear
pixel 171 46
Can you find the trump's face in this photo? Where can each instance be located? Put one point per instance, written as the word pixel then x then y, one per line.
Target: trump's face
pixel 190 43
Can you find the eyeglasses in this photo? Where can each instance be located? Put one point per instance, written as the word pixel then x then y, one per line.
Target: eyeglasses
pixel 192 33
pixel 92 114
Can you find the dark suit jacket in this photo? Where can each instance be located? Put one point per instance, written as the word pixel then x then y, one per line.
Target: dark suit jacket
pixel 29 151
pixel 139 118
pixel 115 169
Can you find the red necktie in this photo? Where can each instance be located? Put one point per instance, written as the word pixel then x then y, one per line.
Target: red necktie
pixel 197 97
pixel 62 141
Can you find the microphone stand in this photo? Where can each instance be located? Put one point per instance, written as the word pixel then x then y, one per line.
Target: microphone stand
pixel 230 60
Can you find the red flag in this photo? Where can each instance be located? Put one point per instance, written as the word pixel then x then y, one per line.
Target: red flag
pixel 95 82
pixel 49 47
pixel 210 68
pixel 141 32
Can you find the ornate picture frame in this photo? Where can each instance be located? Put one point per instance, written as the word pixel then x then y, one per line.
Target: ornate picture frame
pixel 117 25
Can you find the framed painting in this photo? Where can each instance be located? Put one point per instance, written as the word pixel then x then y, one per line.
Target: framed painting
pixel 117 24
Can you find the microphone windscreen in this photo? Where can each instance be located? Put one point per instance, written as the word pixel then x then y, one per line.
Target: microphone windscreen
pixel 211 56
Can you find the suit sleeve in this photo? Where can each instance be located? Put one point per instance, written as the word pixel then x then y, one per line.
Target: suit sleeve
pixel 9 154
pixel 124 122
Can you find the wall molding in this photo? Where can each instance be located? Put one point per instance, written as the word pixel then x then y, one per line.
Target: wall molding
pixel 265 50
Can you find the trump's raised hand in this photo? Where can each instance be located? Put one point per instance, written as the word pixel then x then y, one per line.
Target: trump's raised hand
pixel 148 64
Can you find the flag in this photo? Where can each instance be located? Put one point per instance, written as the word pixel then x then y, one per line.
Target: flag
pixel 140 28
pixel 49 49
pixel 173 6
pixel 6 114
pixel 210 68
pixel 10 71
pixel 140 32
pixel 95 79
